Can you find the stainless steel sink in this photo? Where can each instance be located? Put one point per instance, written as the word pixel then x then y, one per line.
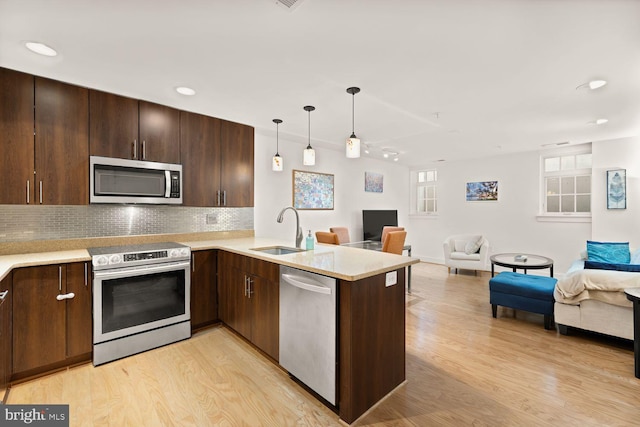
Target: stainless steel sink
pixel 277 250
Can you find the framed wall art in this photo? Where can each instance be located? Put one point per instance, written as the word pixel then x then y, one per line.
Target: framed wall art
pixel 373 182
pixel 482 191
pixel 617 189
pixel 312 190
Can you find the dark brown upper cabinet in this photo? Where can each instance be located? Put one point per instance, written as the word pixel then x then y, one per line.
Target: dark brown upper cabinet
pixel 17 162
pixel 44 140
pixel 126 128
pixel 236 168
pixel 217 160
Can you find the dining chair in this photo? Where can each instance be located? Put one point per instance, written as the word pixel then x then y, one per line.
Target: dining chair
pixel 343 234
pixel 387 229
pixel 327 237
pixel 394 242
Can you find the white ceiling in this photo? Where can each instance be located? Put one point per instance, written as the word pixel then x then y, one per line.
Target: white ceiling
pixel 501 74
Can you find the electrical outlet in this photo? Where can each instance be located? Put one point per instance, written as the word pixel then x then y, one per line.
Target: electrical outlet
pixel 212 219
pixel 391 278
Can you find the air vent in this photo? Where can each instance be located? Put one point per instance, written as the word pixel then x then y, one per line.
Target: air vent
pixel 289 4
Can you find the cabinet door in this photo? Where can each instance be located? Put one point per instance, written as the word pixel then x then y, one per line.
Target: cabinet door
pixel 113 125
pixel 16 137
pixel 200 156
pixel 38 317
pixel 204 295
pixel 159 133
pixel 79 332
pixel 61 143
pixel 236 169
pixel 265 315
pixel 234 308
pixel 5 334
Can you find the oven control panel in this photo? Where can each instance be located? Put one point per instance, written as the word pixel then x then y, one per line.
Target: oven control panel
pixel 138 256
pixel 144 255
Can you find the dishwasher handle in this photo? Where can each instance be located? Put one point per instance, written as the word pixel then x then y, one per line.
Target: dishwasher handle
pixel 306 284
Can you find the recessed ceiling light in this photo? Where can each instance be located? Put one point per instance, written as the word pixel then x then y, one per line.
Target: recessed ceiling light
pixel 598 122
pixel 41 49
pixel 396 159
pixel 593 84
pixel 183 90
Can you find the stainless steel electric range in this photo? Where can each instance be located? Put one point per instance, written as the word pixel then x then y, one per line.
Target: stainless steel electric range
pixel 141 298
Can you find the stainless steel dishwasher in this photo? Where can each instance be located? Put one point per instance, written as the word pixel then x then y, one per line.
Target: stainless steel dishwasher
pixel 308 329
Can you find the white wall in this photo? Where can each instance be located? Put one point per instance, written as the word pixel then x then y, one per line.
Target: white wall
pixel 616 224
pixel 273 190
pixel 510 224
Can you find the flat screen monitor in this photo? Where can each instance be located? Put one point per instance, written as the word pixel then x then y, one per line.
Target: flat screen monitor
pixel 374 220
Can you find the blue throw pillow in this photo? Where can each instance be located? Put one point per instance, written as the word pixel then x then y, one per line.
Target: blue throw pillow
pixel 609 252
pixel 594 265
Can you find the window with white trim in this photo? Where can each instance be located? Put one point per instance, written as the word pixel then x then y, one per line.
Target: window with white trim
pixel 426 201
pixel 566 184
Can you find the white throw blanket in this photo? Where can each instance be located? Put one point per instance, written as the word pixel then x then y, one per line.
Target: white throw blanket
pixel 602 285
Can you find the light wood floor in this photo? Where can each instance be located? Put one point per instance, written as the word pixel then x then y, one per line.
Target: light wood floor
pixel 463 368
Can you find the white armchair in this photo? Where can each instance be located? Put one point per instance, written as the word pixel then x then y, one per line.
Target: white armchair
pixel 466 251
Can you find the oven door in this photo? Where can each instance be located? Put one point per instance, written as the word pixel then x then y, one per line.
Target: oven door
pixel 131 300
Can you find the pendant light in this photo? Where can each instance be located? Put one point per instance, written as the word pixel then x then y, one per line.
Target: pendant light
pixel 353 143
pixel 309 154
pixel 277 162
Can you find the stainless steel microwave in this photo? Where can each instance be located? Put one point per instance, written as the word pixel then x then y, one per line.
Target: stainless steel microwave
pixel 134 181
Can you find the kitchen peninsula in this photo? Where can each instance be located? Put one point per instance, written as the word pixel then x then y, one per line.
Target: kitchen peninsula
pixel 370 307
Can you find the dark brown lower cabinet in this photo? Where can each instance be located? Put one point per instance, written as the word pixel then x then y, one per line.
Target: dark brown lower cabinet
pixel 204 292
pixel 249 292
pixel 6 295
pixel 371 342
pixel 51 327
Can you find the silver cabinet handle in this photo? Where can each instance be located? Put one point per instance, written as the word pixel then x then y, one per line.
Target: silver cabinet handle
pixel 86 281
pixel 193 262
pixel 27 191
pixel 40 192
pixel 61 297
pixel 218 196
pixel 224 198
pixel 144 150
pixel 59 278
pixel 249 286
pixel 135 149
pixel 245 285
pixel 3 295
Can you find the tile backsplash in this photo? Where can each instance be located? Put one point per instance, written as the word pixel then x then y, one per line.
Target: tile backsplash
pixel 23 223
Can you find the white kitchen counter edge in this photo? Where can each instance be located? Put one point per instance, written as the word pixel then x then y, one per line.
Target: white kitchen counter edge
pixel 335 261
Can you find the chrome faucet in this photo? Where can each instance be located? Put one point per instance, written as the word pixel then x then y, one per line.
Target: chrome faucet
pixel 298 228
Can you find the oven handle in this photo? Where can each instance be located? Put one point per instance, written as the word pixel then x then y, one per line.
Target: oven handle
pixel 141 270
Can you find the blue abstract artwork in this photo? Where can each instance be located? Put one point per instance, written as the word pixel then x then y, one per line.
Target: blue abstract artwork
pixel 312 190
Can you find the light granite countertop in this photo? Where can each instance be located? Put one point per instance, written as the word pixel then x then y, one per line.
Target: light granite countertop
pixel 331 260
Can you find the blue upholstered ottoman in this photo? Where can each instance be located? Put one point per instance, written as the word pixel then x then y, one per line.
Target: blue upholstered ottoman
pixel 523 292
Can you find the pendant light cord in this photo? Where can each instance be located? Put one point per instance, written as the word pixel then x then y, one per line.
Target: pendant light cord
pixel 353 114
pixel 277 139
pixel 309 143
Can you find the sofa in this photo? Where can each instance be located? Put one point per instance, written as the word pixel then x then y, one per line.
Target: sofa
pixel 590 296
pixel 467 252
